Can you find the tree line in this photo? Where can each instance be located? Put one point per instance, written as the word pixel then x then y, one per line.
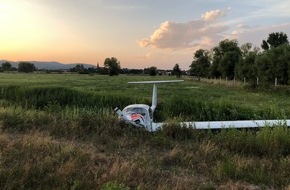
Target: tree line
pixel 111 67
pixel 23 66
pixel 229 60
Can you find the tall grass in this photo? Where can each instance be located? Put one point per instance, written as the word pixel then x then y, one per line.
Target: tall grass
pixel 39 97
pixel 197 109
pixel 193 109
pixel 36 162
pixel 68 137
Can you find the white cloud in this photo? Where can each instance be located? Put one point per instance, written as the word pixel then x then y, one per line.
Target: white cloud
pixel 200 33
pixel 256 35
pixel 213 15
pixel 270 8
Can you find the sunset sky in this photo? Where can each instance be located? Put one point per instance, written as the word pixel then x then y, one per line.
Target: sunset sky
pixel 138 33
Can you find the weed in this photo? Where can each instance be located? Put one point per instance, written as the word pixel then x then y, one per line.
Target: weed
pixel 60 132
pixel 114 186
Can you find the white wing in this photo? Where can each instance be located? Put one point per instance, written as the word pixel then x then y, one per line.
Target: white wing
pixel 155 82
pixel 227 124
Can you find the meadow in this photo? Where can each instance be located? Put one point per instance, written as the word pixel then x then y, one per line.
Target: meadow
pixel 59 131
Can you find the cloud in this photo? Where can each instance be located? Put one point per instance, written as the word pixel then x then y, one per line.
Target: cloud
pixel 255 35
pixel 270 8
pixel 199 33
pixel 213 15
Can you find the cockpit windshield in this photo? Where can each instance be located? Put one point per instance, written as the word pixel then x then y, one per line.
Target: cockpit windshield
pixel 137 110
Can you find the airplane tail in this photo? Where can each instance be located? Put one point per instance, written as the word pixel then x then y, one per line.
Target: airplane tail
pixel 154 97
pixel 154 93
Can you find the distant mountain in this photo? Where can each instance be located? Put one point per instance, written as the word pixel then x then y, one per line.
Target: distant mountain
pixel 53 65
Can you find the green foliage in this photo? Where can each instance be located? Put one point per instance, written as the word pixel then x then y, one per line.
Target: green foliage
pixel 273 64
pixel 39 97
pixel 274 40
pixel 6 66
pixel 200 64
pixel 26 67
pixel 174 131
pixel 113 65
pixel 230 61
pixel 229 55
pixel 60 132
pixel 176 71
pixel 196 109
pixel 265 45
pixel 115 186
pixel 270 142
pixel 152 71
pixel 247 68
pixel 246 49
pixel 79 68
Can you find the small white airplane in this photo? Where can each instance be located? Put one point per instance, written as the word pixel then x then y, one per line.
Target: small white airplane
pixel 141 115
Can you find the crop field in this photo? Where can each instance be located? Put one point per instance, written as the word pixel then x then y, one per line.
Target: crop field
pixel 59 131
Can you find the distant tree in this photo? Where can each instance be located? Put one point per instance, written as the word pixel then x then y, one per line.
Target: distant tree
pixel 6 66
pixel 152 71
pixel 200 64
pixel 113 66
pixel 226 57
pixel 135 71
pixel 26 67
pixel 92 70
pixel 176 71
pixel 275 39
pixel 79 68
pixel 103 71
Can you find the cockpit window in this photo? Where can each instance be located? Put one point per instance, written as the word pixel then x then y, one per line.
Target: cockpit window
pixel 138 110
pixel 141 111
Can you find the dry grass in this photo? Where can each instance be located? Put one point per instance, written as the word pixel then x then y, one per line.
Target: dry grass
pixel 82 146
pixel 39 160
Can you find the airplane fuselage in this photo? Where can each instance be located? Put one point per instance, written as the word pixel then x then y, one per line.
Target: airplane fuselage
pixel 136 114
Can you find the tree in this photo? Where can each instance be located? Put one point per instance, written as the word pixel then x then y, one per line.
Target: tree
pixel 113 65
pixel 26 67
pixel 247 48
pixel 247 68
pixel 176 71
pixel 226 57
pixel 274 63
pixel 79 68
pixel 274 40
pixel 200 64
pixel 6 66
pixel 228 64
pixel 265 45
pixel 152 71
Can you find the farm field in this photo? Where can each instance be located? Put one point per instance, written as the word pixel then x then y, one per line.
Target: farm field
pixel 59 131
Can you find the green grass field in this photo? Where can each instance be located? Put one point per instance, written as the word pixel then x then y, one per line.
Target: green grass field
pixel 59 131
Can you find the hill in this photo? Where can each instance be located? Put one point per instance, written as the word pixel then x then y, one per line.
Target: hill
pixel 50 65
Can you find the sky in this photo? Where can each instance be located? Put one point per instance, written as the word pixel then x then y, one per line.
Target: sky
pixel 139 33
